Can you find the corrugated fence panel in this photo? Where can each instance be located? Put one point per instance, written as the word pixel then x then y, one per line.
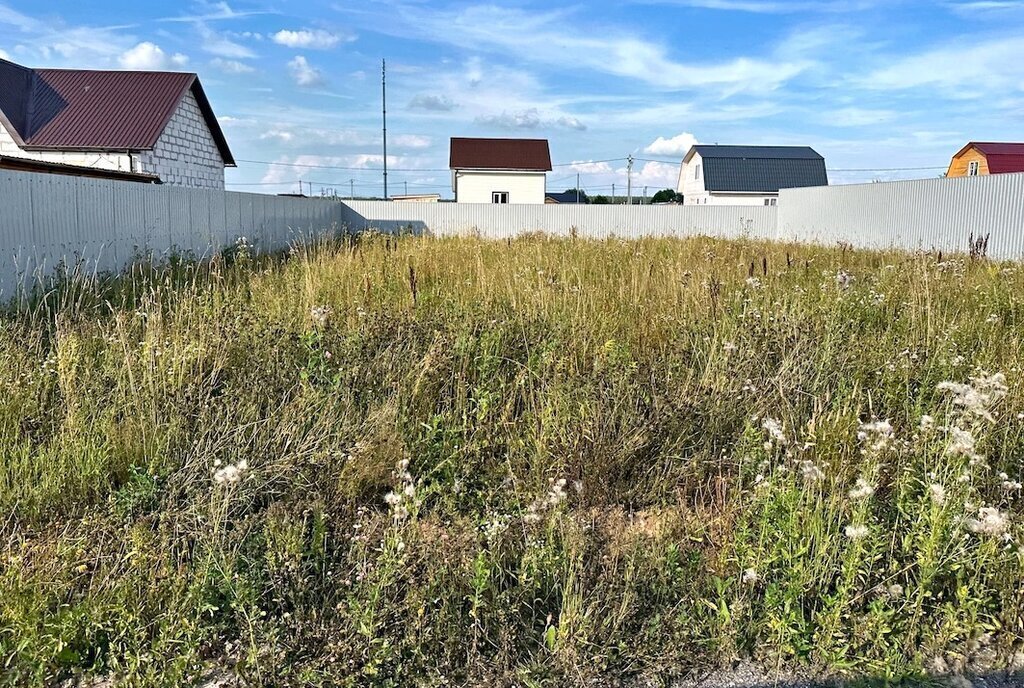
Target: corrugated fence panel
pixel 103 224
pixel 98 224
pixel 591 221
pixel 924 214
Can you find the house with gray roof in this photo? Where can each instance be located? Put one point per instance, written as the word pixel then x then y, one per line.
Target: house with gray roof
pixel 747 175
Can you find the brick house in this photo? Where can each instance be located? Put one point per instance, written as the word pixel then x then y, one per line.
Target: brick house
pixel 143 126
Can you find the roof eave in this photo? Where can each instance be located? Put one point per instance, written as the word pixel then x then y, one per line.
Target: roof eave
pixel 211 121
pixel 500 169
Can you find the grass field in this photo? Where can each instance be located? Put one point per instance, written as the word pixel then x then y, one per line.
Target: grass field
pixel 448 462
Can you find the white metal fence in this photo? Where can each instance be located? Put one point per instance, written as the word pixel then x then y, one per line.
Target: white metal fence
pixel 101 225
pixel 591 221
pixel 928 214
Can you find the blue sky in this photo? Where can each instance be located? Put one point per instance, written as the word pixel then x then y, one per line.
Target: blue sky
pixel 870 84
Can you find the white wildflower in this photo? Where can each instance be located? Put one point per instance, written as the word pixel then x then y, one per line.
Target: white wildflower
pixel 961 443
pixel 753 283
pixel 895 590
pixel 937 493
pixel 862 490
pixel 774 429
pixel 810 472
pixel 927 423
pixel 875 436
pixel 856 532
pixel 728 347
pixel 1010 485
pixel 320 315
pixel 392 499
pixel 232 473
pixel 843 279
pixel 979 396
pixel 750 576
pixel 990 521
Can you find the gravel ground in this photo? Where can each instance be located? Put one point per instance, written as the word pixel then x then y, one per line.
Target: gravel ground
pixel 749 676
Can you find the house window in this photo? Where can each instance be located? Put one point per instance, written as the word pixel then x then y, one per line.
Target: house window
pixel 696 172
pixel 499 197
pixel 972 168
pixel 770 201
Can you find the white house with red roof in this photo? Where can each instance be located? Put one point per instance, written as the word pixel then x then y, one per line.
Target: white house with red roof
pixel 499 170
pixel 142 126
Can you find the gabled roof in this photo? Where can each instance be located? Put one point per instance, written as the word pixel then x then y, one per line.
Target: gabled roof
pixel 500 154
pixel 759 169
pixel 1001 157
pixel 84 109
pixel 566 197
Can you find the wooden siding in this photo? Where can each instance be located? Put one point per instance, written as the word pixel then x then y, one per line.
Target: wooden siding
pixel 958 166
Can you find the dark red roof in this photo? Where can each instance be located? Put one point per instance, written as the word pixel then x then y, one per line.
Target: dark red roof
pixel 500 154
pixel 84 109
pixel 1002 157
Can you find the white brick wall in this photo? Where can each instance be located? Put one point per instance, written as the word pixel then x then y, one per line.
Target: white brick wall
pixel 101 160
pixel 186 153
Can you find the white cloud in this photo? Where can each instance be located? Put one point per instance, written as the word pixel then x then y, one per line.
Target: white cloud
pixel 229 121
pixel 570 122
pixel 657 175
pixel 436 103
pixel 3 55
pixel 231 66
pixel 556 39
pixel 529 118
pixel 587 167
pixel 965 68
pixel 411 141
pixel 856 116
pixel 773 6
pixel 215 11
pixel 525 119
pixel 219 44
pixel 278 135
pixel 677 145
pixel 305 74
pixel 312 39
pixel 149 56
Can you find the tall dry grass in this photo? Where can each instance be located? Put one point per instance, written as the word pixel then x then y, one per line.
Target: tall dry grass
pixel 538 462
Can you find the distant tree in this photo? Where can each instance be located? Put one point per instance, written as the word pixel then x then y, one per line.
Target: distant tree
pixel 583 195
pixel 600 200
pixel 667 196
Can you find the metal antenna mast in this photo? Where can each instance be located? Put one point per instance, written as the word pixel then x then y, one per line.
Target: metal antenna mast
pixel 384 119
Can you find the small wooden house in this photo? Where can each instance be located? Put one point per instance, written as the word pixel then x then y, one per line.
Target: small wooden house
pixel 978 158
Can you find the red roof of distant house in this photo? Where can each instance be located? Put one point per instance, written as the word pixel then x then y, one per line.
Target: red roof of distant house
pixel 1001 157
pixel 84 109
pixel 500 154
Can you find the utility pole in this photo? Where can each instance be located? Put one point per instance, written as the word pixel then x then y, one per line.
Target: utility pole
pixel 629 180
pixel 577 187
pixel 406 188
pixel 384 120
pixel 645 196
pixel 351 189
pixel 613 192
